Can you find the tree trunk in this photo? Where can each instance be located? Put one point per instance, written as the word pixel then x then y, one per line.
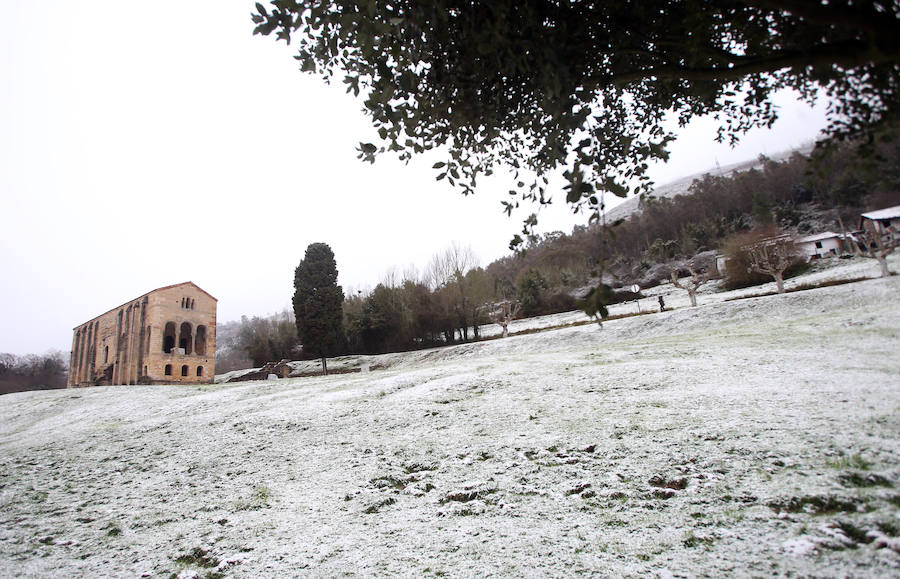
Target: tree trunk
pixel 882 261
pixel 693 296
pixel 779 281
pixel 325 366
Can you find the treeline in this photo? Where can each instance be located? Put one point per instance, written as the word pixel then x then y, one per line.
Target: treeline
pixel 251 342
pixel 32 372
pixel 446 304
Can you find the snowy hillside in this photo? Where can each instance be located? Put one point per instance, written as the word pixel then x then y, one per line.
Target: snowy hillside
pixel 681 186
pixel 751 437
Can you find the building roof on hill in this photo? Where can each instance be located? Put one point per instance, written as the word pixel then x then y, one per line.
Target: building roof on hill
pixel 819 237
pixel 886 213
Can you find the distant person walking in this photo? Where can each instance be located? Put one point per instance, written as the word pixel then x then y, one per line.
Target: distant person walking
pixel 662 304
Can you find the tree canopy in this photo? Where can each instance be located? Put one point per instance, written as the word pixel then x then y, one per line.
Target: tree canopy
pixel 540 86
pixel 318 302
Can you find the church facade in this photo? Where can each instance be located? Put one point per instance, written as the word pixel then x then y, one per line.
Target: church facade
pixel 166 336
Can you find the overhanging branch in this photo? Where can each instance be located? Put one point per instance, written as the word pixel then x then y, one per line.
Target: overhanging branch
pixel 849 54
pixel 831 14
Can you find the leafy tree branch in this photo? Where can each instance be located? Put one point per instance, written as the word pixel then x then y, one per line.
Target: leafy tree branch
pixel 539 87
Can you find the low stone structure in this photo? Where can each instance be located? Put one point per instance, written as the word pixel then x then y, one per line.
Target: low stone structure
pixel 270 371
pixel 166 336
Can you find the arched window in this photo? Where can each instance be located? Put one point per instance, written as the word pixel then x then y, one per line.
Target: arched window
pixel 199 370
pixel 186 338
pixel 184 370
pixel 168 369
pixel 105 354
pixel 200 341
pixel 169 337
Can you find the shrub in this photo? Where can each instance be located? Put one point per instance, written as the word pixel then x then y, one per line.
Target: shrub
pixel 557 303
pixel 531 284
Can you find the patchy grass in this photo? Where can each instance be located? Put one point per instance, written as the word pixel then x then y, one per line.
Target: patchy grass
pixel 860 480
pixel 378 505
pixel 844 462
pixel 816 505
pixel 801 288
pixel 113 529
pixel 200 562
pixel 197 557
pixel 692 541
pixel 258 499
pixel 579 323
pixel 664 483
pixel 467 495
pixel 852 531
pixel 389 481
pixel 888 528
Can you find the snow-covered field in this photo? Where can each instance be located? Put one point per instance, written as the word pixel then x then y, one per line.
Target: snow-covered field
pixel 744 438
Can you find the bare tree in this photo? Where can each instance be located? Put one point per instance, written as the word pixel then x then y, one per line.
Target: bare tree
pixel 448 266
pixel 503 313
pixel 772 256
pixel 447 271
pixel 32 372
pixel 697 279
pixel 877 243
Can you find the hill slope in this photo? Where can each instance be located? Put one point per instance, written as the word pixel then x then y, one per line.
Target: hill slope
pixel 681 186
pixel 753 437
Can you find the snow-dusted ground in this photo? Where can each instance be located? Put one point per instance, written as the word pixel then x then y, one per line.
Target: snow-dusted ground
pixel 745 438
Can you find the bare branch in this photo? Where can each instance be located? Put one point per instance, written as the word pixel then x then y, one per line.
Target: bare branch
pixel 697 279
pixel 503 313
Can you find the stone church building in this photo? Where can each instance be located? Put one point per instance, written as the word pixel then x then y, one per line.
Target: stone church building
pixel 166 336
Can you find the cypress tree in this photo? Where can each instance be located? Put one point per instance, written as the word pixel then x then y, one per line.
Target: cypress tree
pixel 318 303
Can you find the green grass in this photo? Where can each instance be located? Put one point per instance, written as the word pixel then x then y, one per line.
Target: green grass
pixel 691 541
pixel 844 462
pixel 259 499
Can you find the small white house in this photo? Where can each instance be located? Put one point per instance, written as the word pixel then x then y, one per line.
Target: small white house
pixel 819 245
pixel 882 220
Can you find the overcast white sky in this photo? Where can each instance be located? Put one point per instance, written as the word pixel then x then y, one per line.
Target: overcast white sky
pixel 149 143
